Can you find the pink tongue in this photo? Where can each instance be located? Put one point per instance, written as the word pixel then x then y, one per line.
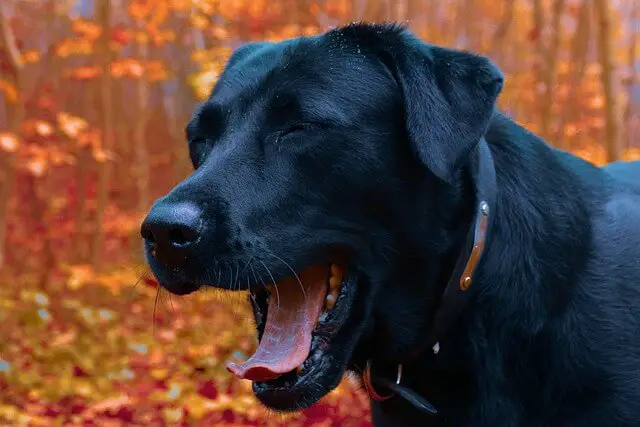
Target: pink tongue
pixel 292 316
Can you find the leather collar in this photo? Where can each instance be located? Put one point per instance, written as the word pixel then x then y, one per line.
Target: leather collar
pixel 455 296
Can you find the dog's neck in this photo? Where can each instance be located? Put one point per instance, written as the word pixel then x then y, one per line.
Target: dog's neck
pixel 519 252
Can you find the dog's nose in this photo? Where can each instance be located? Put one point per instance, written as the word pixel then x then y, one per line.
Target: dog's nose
pixel 171 229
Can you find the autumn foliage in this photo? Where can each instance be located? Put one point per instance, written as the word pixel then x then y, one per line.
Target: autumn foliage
pixel 94 96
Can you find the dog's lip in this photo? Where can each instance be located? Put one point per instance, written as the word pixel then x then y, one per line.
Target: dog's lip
pixel 182 288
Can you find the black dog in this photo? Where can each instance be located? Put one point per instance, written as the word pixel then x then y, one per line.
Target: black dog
pixel 388 220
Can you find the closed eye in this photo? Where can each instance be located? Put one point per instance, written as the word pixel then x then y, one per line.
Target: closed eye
pixel 198 149
pixel 297 128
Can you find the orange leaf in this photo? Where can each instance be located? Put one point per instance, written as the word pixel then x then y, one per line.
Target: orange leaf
pixel 30 56
pixel 597 101
pixel 140 9
pixel 199 21
pixel 37 166
pixel 71 125
pixel 631 154
pixel 9 142
pixel 84 73
pixel 9 90
pixel 100 155
pixel 181 5
pixel 136 70
pixel 156 71
pixel 43 128
pixel 90 138
pixel 68 47
pixel 88 29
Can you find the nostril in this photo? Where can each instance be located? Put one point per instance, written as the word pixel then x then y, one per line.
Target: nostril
pixel 183 235
pixel 147 234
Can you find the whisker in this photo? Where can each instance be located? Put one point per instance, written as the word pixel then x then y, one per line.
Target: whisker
pixel 171 304
pixel 294 273
pixel 247 264
pixel 237 279
pixel 155 305
pixel 230 276
pixel 275 285
pixel 237 282
pixel 140 276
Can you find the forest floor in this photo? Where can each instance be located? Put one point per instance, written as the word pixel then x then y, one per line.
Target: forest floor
pixel 102 350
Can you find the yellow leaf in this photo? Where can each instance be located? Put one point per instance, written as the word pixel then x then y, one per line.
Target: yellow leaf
pixel 631 154
pixel 9 142
pixel 159 373
pixel 203 82
pixel 9 90
pixel 198 405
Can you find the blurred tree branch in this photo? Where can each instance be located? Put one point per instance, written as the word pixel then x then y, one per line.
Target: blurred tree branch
pixel 632 58
pixel 605 51
pixel 16 65
pixel 104 19
pixel 578 63
pixel 549 69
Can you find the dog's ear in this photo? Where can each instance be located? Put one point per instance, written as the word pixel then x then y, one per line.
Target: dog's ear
pixel 245 51
pixel 449 97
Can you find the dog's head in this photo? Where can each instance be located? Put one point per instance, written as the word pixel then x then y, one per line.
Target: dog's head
pixel 327 179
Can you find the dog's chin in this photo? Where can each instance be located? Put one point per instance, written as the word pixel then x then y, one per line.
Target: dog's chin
pixel 172 281
pixel 324 368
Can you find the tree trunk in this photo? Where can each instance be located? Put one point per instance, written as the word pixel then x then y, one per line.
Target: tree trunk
pixel 632 58
pixel 141 164
pixel 605 53
pixel 537 35
pixel 578 64
pixel 500 36
pixel 104 18
pixel 7 40
pixel 549 71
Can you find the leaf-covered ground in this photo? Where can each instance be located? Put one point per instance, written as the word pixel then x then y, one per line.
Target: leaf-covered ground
pixel 97 350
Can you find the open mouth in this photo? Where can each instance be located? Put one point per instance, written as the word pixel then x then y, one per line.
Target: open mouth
pixel 297 320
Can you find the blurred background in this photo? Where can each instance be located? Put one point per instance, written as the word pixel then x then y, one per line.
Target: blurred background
pixel 94 97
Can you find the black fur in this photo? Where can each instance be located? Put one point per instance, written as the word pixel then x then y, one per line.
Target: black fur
pixel 357 141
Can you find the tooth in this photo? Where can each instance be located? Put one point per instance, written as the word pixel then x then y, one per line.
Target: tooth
pixel 330 301
pixel 336 271
pixel 299 370
pixel 334 283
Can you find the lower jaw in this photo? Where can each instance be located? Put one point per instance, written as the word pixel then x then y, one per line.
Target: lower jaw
pixel 291 393
pixel 320 372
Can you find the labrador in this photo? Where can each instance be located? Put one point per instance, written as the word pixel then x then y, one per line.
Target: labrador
pixel 387 220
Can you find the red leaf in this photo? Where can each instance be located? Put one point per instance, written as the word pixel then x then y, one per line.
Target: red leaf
pixel 208 389
pixel 79 372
